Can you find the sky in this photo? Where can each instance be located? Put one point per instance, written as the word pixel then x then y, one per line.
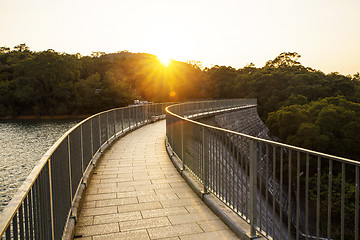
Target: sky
pixel 326 33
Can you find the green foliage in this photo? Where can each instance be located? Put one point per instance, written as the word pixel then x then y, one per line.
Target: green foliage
pixel 300 105
pixel 52 83
pixel 329 125
pixel 336 194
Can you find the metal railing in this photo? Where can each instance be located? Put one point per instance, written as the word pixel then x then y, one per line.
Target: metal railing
pixel 48 198
pixel 282 191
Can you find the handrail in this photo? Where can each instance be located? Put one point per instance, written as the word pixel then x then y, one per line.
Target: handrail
pixel 49 196
pixel 283 191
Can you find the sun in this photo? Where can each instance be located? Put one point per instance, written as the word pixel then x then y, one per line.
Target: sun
pixel 165 60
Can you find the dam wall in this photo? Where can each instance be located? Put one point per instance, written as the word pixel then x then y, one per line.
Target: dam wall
pixel 245 121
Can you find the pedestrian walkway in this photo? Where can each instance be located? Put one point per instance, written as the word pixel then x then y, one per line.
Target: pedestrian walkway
pixel 136 193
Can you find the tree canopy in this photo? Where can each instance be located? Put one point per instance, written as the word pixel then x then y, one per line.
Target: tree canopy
pixel 300 105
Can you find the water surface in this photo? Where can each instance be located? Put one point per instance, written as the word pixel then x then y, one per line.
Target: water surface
pixel 22 144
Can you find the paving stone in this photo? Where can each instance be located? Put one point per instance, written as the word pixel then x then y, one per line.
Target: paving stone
pixel 118 179
pixel 116 189
pixel 98 211
pixel 182 190
pixel 144 223
pixel 97 229
pixel 159 197
pixel 116 202
pixel 153 186
pixel 173 231
pixel 134 183
pixel 168 180
pixel 179 202
pixel 88 204
pixel 147 177
pixel 170 238
pixel 163 212
pixel 192 217
pixel 93 197
pixel 117 217
pixel 197 208
pixel 212 225
pixel 131 235
pixel 83 238
pixel 223 235
pixel 102 185
pixel 85 221
pixel 99 177
pixel 139 207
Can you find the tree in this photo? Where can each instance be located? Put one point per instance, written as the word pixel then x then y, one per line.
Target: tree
pixel 285 60
pixel 22 48
pixel 4 50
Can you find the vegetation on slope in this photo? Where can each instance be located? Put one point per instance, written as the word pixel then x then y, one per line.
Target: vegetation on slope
pixel 300 105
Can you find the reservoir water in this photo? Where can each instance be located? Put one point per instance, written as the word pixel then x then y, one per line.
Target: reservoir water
pixel 22 144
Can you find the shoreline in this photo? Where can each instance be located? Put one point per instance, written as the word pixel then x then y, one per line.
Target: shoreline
pixel 45 117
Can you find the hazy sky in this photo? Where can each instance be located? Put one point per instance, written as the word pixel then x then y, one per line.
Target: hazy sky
pixel 326 33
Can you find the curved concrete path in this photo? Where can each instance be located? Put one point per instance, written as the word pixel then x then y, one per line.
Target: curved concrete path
pixel 136 193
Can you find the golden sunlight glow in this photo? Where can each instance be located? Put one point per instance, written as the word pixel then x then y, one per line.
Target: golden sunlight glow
pixel 165 60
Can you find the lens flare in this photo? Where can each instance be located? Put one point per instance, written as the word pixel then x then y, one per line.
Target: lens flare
pixel 165 60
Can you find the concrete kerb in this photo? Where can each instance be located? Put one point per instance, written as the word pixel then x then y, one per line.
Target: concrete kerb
pixel 238 225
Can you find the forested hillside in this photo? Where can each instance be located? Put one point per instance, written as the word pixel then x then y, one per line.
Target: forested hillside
pixel 300 105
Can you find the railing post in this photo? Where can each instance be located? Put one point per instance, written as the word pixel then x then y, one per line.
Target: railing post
pixel 100 133
pixel 204 161
pixel 182 144
pixel 253 173
pixel 51 202
pixel 69 164
pixel 122 120
pixel 115 122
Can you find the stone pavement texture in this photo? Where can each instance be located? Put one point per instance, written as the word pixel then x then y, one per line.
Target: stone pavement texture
pixel 136 193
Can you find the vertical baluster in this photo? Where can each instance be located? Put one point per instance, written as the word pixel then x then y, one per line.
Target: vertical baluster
pixel 342 201
pixel 15 227
pixel 242 147
pixel 205 162
pixel 246 177
pixel 329 199
pixel 297 194
pixel 318 185
pixel 222 166
pixel 226 169
pixel 238 175
pixel 260 183
pixel 281 190
pixel 217 162
pixel 31 214
pixel 182 143
pixel 267 189
pixel 274 192
pixel 8 232
pixel 26 211
pixel 234 168
pixel 211 159
pixel 307 198
pixel 289 195
pixel 357 233
pixel 253 186
pixel 35 206
pixel 122 120
pixel 21 222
